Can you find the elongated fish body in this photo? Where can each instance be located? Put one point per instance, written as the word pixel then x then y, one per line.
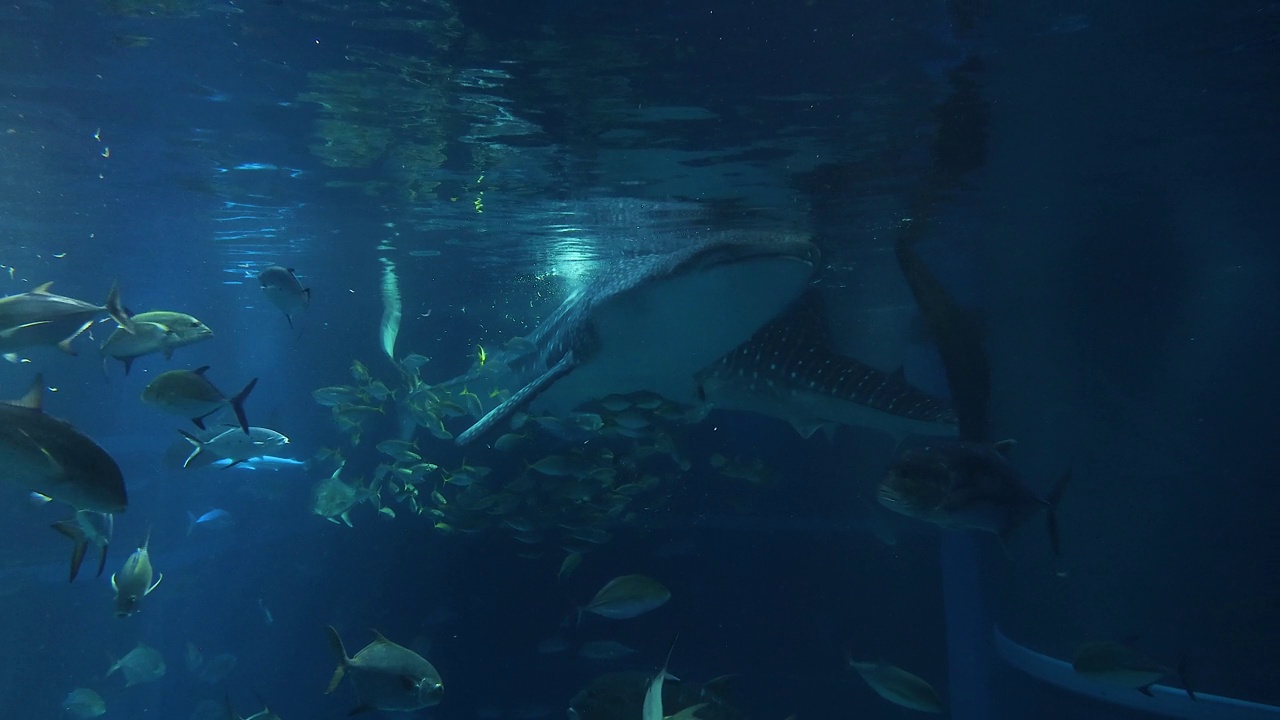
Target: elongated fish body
pixel 899 686
pixel 234 444
pixel 649 323
pixel 158 331
pixel 40 317
pixel 49 456
pixel 387 676
pixel 284 290
pixel 789 370
pixel 965 485
pixel 190 394
pixel 134 581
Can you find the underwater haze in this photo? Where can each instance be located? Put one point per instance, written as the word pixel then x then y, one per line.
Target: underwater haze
pixel 709 360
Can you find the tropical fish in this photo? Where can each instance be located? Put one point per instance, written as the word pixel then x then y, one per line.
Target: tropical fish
pixel 87 527
pixel 190 394
pixel 133 582
pixel 1119 664
pixel 967 485
pixel 39 317
pixel 604 650
pixel 899 686
pixel 143 664
pixel 628 596
pixel 387 676
pixel 215 519
pixel 231 443
pixel 83 704
pixel 649 323
pixel 158 331
pixel 789 370
pixel 282 288
pixel 43 454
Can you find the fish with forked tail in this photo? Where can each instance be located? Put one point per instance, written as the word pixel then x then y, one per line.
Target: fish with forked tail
pixel 133 582
pixel 190 394
pixel 87 527
pixel 967 485
pixel 40 317
pixel 282 288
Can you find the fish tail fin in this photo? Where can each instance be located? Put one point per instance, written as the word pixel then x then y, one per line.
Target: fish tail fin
pixel 237 404
pixel 336 643
pixel 117 310
pixel 102 557
pixel 1051 511
pixel 197 447
pixel 77 535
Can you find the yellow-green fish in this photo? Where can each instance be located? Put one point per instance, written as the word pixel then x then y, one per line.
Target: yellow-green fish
pixel 628 596
pixel 158 331
pixel 899 686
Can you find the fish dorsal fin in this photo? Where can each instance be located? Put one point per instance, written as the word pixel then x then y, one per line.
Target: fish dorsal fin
pixel 201 370
pixel 43 289
pixel 379 637
pixel 291 271
pixel 34 398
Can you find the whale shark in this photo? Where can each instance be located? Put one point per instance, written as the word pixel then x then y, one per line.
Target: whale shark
pixel 649 322
pixel 789 369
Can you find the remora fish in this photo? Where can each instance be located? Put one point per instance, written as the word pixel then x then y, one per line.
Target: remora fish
pixel 282 288
pixel 789 370
pixel 967 485
pixel 650 323
pixel 158 331
pixel 40 317
pixel 190 394
pixel 87 527
pixel 49 456
pixel 133 582
pixel 387 676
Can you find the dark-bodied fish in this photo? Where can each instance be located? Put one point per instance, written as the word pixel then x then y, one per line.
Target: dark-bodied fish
pixel 967 485
pixel 40 317
pixel 46 455
pixel 190 394
pixel 157 331
pixel 282 288
pixel 87 527
pixel 134 581
pixel 1119 664
pixel 387 676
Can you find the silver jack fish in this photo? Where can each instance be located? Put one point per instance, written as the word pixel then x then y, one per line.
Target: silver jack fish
pixel 85 528
pixel 282 288
pixel 40 317
pixel 190 394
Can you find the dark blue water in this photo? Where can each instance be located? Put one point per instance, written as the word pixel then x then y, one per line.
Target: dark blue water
pixel 1097 181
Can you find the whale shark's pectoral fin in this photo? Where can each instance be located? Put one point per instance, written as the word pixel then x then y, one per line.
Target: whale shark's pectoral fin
pixel 521 398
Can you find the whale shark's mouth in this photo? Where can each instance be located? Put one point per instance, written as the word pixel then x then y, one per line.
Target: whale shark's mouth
pixel 654 330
